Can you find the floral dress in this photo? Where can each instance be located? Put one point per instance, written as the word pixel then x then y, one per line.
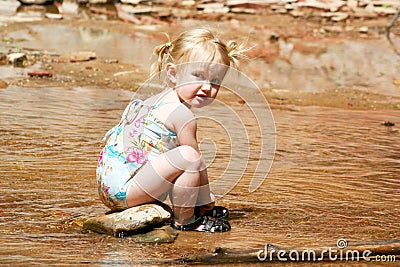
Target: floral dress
pixel 135 140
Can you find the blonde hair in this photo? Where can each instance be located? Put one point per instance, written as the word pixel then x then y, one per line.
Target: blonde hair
pixel 201 44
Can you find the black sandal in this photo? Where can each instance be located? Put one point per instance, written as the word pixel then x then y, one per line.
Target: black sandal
pixel 209 225
pixel 217 212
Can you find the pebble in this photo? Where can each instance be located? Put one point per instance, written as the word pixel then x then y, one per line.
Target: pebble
pixel 165 234
pixel 53 16
pixel 3 84
pixel 16 59
pixel 363 29
pixel 78 56
pixel 40 73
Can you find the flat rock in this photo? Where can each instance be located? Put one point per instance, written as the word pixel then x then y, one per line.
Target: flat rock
pixel 40 73
pixel 130 221
pixel 77 56
pixel 165 234
pixel 35 2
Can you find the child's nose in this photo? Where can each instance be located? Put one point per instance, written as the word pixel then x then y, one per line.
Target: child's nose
pixel 206 86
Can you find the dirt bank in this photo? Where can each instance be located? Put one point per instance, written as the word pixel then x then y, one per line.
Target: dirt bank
pixel 287 54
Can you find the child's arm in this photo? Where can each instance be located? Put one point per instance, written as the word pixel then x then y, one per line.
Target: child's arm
pixel 185 126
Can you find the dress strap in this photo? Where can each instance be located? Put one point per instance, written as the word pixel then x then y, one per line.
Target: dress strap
pixel 160 104
pixel 129 115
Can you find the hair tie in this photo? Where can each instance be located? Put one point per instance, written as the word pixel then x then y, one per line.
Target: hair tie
pixel 168 45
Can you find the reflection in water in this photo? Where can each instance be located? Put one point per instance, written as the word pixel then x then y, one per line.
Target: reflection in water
pixel 335 175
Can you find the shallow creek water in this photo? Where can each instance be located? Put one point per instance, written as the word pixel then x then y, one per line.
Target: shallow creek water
pixel 335 175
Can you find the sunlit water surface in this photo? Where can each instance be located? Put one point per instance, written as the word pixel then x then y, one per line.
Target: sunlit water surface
pixel 335 175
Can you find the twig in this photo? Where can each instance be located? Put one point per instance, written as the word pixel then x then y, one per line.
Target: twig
pixel 389 27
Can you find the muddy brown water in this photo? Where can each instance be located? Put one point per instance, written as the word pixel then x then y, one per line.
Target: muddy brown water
pixel 335 175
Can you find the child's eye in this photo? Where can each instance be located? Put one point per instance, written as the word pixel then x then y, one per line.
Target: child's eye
pixel 198 75
pixel 215 81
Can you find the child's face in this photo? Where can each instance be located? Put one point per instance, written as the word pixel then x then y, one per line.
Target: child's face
pixel 197 84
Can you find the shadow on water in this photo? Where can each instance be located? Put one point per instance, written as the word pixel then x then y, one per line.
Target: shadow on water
pixel 335 175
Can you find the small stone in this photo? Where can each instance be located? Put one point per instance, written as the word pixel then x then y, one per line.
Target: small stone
pixel 77 57
pixel 274 37
pixel 388 123
pixel 98 1
pixel 132 2
pixel 3 84
pixel 130 221
pixel 339 16
pixel 40 73
pixel 53 16
pixel 165 234
pixel 35 2
pixel 16 59
pixel 111 61
pixel 363 29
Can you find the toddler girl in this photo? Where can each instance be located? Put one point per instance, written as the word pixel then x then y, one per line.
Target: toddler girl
pixel 153 151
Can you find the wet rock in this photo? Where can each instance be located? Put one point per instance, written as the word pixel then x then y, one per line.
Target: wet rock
pixel 17 59
pixel 332 6
pixel 384 10
pixel 338 16
pixel 140 9
pixel 133 220
pixel 132 2
pixel 335 29
pixel 3 59
pixel 364 13
pixel 213 8
pixel 188 3
pixel 165 234
pixel 69 7
pixel 352 4
pixel 77 57
pixel 297 13
pixel 40 73
pixel 95 2
pixel 125 15
pixel 388 124
pixel 36 2
pixel 53 16
pixel 274 37
pixel 243 10
pixel 363 29
pixel 3 84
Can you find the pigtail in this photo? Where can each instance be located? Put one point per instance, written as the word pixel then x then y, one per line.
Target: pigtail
pixel 236 52
pixel 162 53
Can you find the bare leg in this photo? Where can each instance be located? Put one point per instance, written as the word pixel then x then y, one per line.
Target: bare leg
pixel 178 169
pixel 205 198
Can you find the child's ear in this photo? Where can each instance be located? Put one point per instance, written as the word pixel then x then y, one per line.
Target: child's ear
pixel 171 72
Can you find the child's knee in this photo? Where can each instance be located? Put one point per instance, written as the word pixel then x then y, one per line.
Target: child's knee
pixel 191 155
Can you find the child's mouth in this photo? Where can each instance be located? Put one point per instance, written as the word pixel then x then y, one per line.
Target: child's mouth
pixel 201 95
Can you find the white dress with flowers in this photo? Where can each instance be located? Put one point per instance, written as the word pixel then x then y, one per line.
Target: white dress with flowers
pixel 135 140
